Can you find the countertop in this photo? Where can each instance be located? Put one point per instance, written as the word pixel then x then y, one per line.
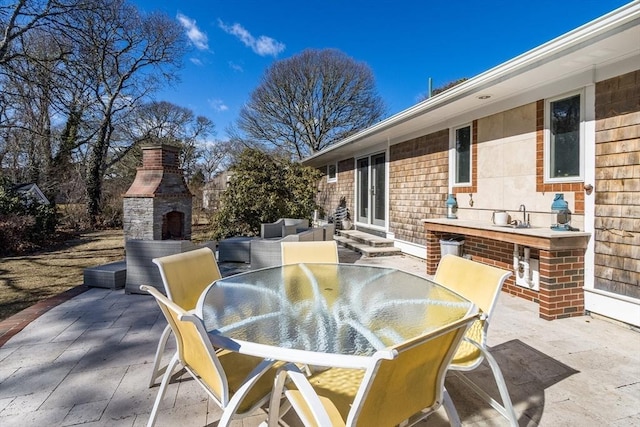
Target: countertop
pixel 538 237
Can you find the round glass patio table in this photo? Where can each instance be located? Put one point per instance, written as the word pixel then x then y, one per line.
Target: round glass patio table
pixel 324 314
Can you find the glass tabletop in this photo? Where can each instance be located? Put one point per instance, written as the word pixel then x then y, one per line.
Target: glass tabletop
pixel 341 309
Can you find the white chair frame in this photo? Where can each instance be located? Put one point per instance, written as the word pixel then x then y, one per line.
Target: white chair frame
pixel 506 408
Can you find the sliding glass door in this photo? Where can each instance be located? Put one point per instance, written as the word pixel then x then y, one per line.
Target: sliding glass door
pixel 371 190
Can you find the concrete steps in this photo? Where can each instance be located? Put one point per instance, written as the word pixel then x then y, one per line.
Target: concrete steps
pixel 366 244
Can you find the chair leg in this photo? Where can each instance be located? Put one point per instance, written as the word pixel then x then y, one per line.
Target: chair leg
pixel 276 396
pixel 450 409
pixel 506 408
pixel 232 406
pixel 162 390
pixel 157 372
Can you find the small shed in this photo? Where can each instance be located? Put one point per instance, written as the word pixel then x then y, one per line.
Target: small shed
pixel 31 191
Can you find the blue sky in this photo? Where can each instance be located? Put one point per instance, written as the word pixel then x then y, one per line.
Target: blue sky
pixel 404 42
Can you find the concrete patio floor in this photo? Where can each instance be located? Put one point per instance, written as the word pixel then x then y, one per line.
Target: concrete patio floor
pixel 87 362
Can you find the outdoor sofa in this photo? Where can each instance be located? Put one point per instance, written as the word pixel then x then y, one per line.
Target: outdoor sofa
pixel 268 252
pixel 282 227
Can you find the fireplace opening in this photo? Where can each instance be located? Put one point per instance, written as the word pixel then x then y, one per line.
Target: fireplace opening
pixel 172 225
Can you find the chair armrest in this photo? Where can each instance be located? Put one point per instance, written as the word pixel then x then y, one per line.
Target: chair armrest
pixel 272 229
pixel 318 234
pixel 306 236
pixel 291 225
pixel 298 222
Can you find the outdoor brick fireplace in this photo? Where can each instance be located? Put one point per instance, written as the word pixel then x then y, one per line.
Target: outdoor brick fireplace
pixel 158 204
pixel 156 216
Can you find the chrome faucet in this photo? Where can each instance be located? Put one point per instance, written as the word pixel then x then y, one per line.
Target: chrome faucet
pixel 523 209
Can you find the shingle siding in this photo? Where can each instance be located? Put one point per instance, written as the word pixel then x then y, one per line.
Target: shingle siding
pixel 418 183
pixel 617 188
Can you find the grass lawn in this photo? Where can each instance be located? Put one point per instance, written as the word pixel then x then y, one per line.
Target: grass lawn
pixel 25 280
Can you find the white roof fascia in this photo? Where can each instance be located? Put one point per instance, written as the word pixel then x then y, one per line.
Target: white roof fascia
pixel 616 21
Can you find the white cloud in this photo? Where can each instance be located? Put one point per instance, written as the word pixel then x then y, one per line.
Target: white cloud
pixel 217 105
pixel 263 45
pixel 236 67
pixel 268 46
pixel 197 37
pixel 195 61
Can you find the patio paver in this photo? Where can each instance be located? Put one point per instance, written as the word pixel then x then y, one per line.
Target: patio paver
pixel 85 360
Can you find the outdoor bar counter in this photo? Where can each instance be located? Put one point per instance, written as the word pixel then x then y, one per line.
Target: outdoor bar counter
pixel 560 255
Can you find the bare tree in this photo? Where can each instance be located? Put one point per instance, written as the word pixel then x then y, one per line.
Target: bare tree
pixel 31 89
pixel 73 74
pixel 166 123
pixel 216 156
pixel 20 17
pixel 310 101
pixel 125 56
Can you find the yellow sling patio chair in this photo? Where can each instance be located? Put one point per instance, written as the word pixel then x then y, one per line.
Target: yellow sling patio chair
pixel 314 252
pixel 237 383
pixel 184 276
pixel 480 284
pixel 325 251
pixel 402 383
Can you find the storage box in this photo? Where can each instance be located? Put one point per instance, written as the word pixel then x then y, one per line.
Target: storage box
pixel 452 246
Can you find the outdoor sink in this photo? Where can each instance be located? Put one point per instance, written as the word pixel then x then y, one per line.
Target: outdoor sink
pixel 518 224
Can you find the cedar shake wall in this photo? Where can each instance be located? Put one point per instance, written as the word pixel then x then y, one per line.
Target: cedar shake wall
pixel 329 193
pixel 617 186
pixel 418 184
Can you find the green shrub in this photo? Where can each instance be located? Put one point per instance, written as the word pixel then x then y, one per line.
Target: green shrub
pixel 262 189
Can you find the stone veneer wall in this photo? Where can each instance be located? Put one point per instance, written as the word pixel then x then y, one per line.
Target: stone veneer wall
pixel 138 214
pixel 142 211
pixel 617 186
pixel 418 184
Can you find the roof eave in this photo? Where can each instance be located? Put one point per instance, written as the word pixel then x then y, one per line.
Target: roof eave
pixel 593 30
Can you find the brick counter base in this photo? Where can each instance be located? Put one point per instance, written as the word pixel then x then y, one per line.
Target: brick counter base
pixel 561 291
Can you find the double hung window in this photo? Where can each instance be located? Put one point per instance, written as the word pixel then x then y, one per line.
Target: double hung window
pixel 461 155
pixel 332 172
pixel 564 138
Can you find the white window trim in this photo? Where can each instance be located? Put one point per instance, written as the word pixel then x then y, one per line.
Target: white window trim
pixel 547 138
pixel 452 156
pixel 335 178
